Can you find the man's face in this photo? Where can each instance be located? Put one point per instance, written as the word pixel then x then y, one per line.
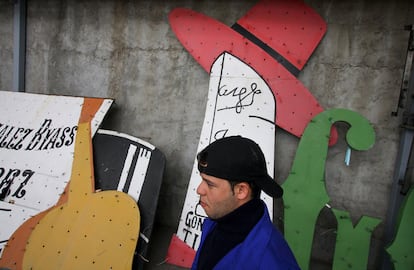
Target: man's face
pixel 216 196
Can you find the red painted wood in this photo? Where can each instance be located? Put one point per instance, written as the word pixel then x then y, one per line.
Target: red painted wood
pixel 179 253
pixel 205 39
pixel 290 27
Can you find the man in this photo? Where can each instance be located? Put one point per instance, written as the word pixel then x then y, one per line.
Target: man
pixel 238 233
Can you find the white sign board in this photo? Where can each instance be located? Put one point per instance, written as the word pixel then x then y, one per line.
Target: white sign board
pixel 37 135
pixel 239 103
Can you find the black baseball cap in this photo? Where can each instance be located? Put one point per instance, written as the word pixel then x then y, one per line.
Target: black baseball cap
pixel 239 159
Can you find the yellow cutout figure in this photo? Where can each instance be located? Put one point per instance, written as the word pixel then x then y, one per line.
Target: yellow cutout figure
pixel 92 230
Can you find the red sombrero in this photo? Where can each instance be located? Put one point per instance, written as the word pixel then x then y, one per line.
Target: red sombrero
pixel 275 38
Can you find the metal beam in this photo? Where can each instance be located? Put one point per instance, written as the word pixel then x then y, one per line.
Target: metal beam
pixel 19 45
pixel 403 171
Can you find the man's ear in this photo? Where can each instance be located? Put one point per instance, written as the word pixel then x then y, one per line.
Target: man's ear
pixel 242 190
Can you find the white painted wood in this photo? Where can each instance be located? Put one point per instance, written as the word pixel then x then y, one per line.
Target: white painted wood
pixel 239 103
pixel 127 136
pixel 127 165
pixel 140 172
pixel 37 135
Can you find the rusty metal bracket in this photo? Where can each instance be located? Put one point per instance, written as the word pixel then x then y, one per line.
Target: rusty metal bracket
pixel 404 98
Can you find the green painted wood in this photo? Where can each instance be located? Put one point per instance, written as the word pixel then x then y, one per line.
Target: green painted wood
pixel 305 193
pixel 352 243
pixel 402 248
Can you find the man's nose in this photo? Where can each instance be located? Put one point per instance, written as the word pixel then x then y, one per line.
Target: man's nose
pixel 200 189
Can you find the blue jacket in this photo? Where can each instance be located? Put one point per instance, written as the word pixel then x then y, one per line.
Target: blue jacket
pixel 263 248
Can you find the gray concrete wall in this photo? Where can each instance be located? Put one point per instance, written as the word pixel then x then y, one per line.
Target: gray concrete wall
pixel 126 50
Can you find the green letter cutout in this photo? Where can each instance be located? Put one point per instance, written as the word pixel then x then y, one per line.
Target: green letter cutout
pixel 305 192
pixel 352 244
pixel 402 248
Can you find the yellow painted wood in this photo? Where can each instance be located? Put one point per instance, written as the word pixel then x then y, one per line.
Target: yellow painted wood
pixel 13 253
pixel 92 230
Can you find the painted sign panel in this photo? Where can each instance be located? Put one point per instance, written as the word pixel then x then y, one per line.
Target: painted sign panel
pixel 137 169
pixel 305 192
pixel 91 230
pixel 239 103
pixel 37 135
pixel 275 38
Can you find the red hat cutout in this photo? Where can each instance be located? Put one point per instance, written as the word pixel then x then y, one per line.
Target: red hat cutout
pixel 289 27
pixel 275 38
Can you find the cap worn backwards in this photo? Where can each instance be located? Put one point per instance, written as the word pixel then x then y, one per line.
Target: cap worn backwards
pixel 240 159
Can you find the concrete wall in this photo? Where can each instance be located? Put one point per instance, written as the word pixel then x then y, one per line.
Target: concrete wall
pixel 126 50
